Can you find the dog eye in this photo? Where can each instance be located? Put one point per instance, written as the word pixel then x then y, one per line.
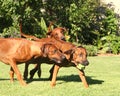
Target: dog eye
pixel 54 51
pixel 80 55
pixel 56 34
pixel 62 32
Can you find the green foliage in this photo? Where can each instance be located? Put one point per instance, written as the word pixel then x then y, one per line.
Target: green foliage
pixel 90 21
pixel 13 30
pixel 110 44
pixel 91 50
pixel 15 10
pixel 82 18
pixel 87 21
pixel 42 26
pixel 108 22
pixel 108 38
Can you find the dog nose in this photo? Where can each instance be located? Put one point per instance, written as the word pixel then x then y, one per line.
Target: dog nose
pixel 86 62
pixel 63 38
pixel 63 57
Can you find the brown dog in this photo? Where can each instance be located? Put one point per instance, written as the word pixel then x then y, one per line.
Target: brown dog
pixel 77 56
pixel 16 50
pixel 74 55
pixel 57 33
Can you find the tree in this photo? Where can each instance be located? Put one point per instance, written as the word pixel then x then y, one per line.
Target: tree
pixel 86 20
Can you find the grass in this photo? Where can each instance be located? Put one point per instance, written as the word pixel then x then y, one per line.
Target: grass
pixel 103 76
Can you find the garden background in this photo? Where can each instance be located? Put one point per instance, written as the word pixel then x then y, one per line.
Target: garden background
pixel 88 22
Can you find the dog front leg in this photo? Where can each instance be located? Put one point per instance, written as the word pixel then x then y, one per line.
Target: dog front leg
pixel 83 78
pixel 55 72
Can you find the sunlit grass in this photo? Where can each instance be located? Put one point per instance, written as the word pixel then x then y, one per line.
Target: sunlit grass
pixel 103 76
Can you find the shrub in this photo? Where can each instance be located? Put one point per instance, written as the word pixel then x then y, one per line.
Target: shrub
pixel 91 50
pixel 110 44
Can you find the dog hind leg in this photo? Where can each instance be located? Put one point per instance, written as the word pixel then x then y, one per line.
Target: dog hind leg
pixel 32 72
pixel 39 70
pixel 18 74
pixel 11 74
pixel 26 71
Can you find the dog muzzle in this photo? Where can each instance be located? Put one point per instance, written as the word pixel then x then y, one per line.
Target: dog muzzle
pixel 80 67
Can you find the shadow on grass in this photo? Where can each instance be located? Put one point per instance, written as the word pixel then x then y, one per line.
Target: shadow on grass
pixel 70 78
pixel 1 79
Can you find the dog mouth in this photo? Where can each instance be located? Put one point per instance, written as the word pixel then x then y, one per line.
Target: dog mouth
pixel 84 63
pixel 63 39
pixel 80 67
pixel 56 60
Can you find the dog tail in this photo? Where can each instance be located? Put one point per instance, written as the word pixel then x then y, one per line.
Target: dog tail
pixel 26 36
pixel 49 28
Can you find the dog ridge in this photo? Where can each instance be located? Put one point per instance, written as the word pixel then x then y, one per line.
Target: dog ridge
pixel 19 51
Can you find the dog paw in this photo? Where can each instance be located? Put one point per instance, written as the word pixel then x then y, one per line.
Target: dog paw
pixel 52 84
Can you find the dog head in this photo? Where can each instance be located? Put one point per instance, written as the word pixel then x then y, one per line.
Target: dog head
pixel 50 51
pixel 57 33
pixel 78 55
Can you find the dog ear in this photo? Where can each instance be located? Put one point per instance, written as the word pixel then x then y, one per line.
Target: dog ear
pixel 64 29
pixel 48 34
pixel 43 49
pixel 68 51
pixel 69 54
pixel 80 46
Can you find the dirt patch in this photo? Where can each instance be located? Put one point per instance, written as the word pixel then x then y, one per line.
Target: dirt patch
pixel 108 54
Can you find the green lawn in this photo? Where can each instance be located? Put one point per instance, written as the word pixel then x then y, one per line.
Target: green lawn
pixel 103 76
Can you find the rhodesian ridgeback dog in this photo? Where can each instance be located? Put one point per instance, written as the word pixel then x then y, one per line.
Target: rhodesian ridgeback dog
pixel 74 55
pixel 14 51
pixel 57 33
